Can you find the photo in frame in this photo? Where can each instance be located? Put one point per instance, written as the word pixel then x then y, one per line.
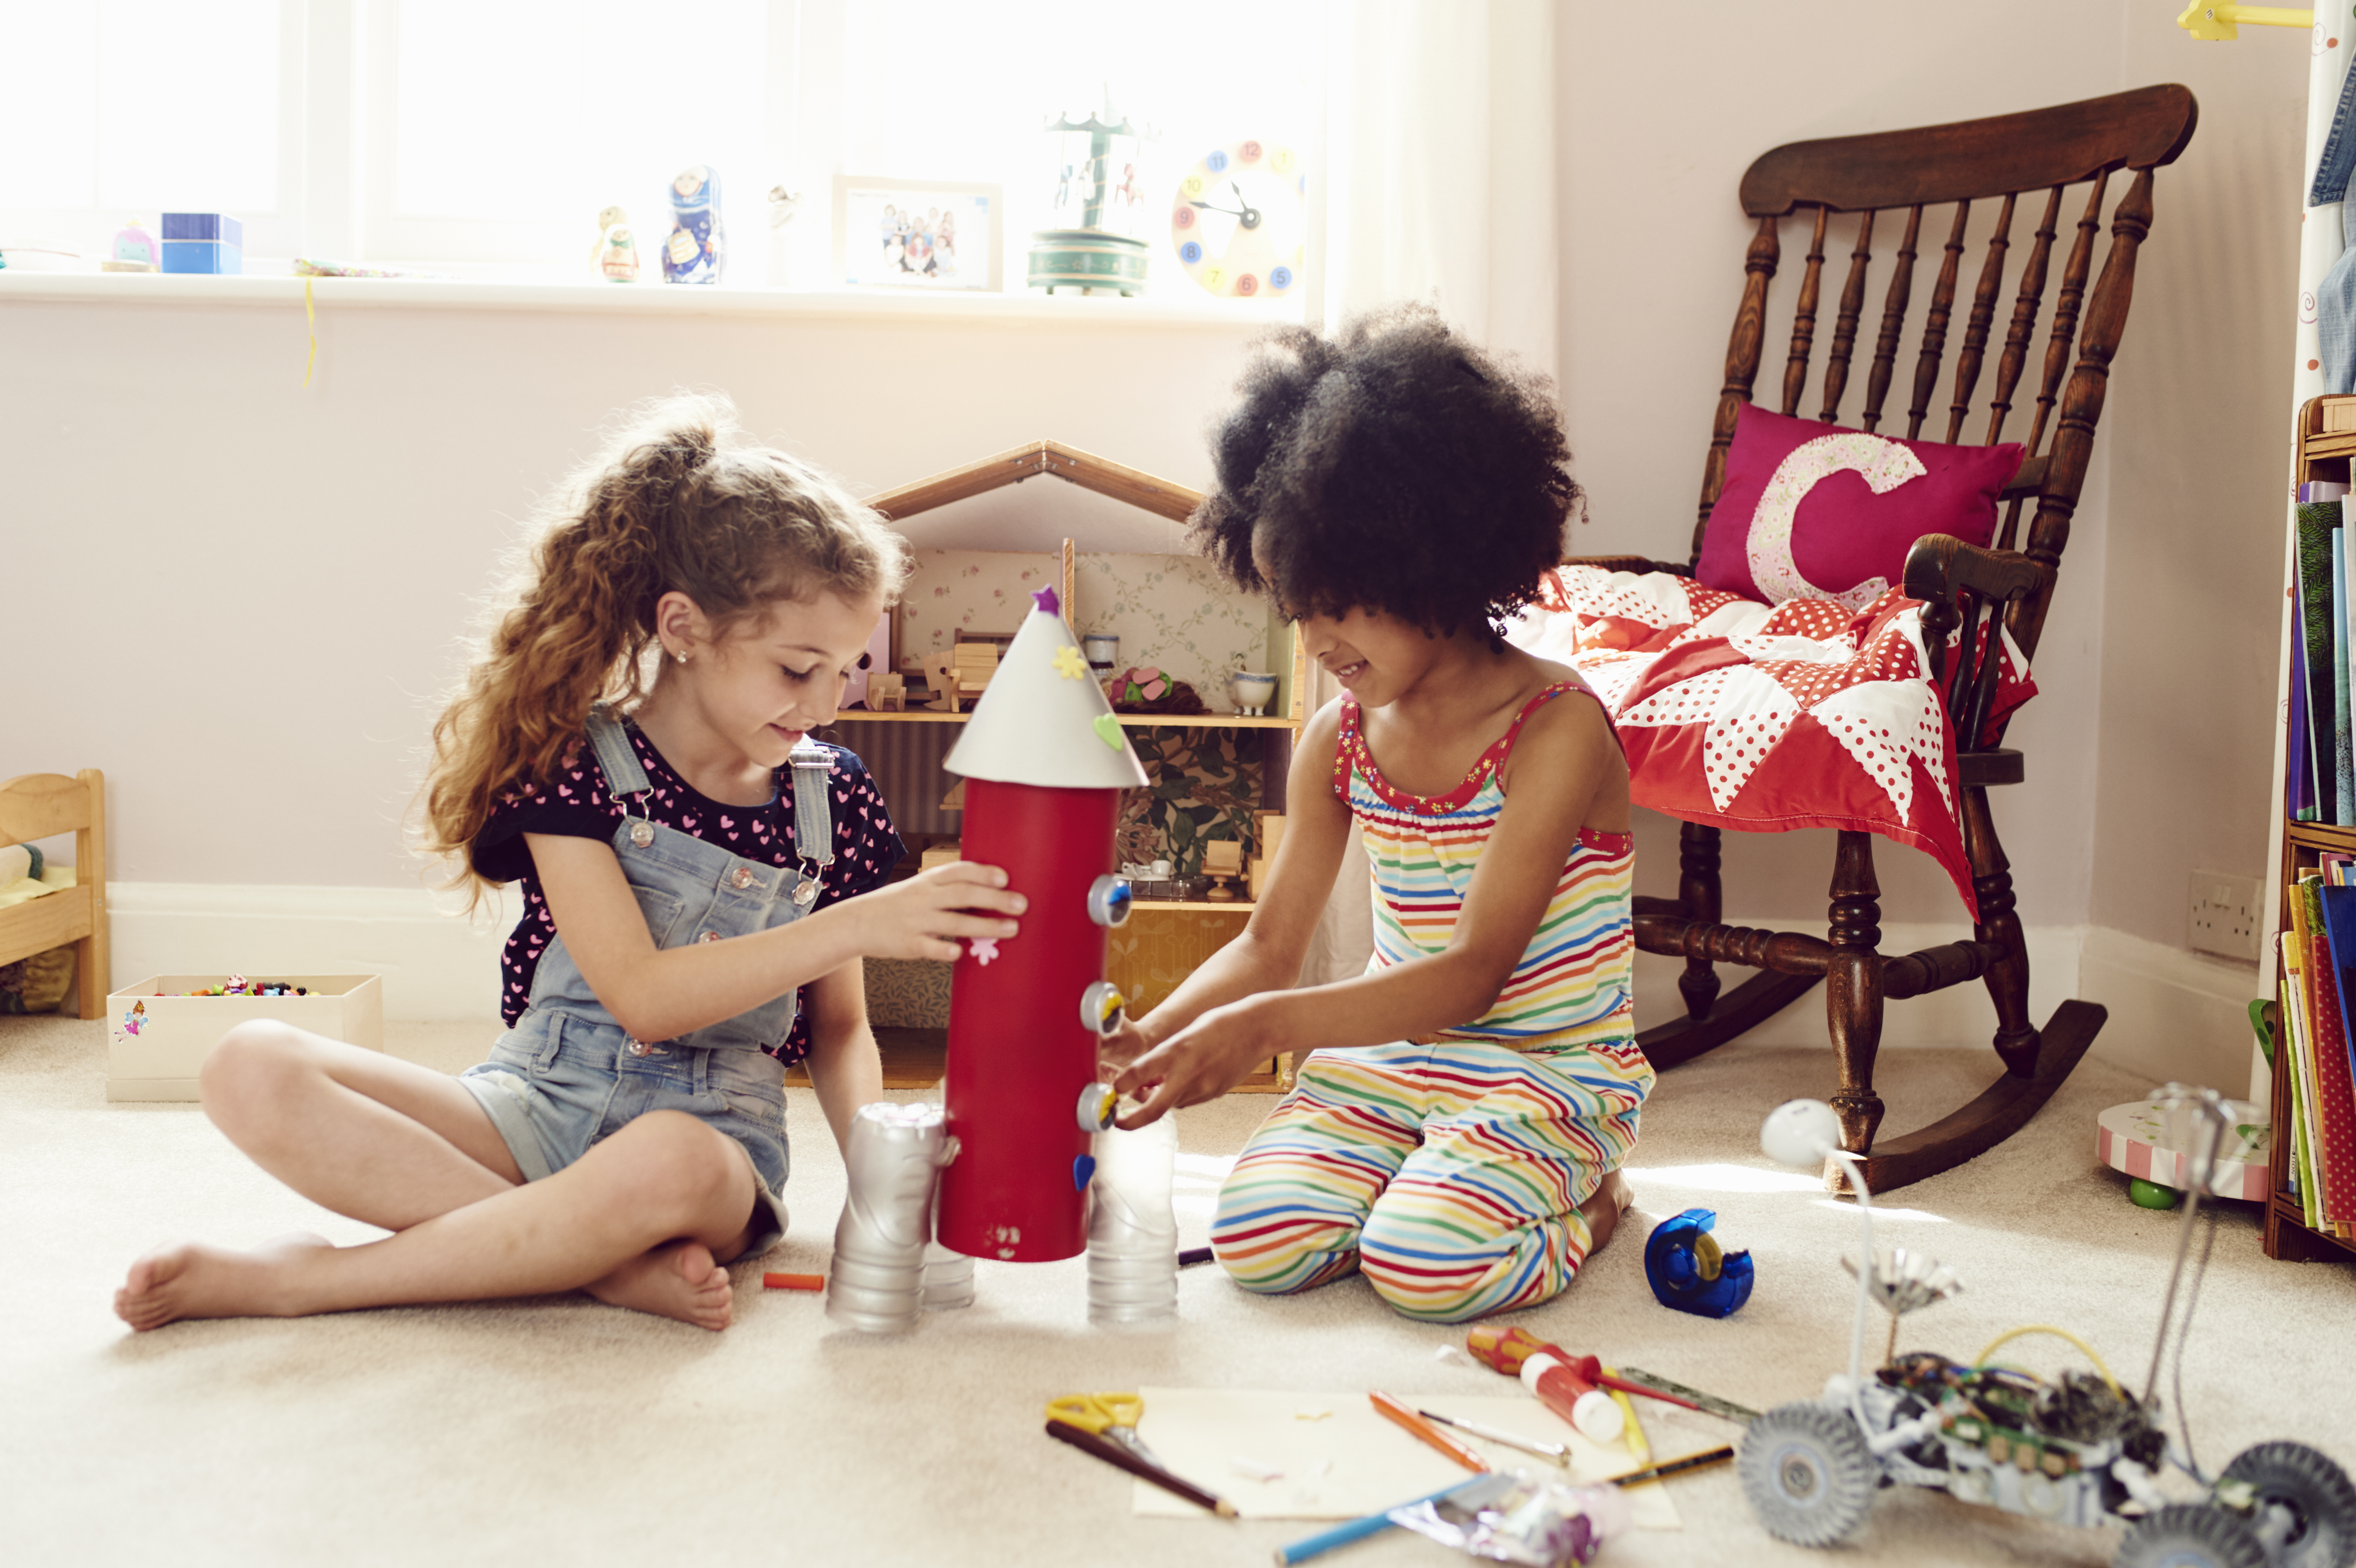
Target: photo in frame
pixel 919 234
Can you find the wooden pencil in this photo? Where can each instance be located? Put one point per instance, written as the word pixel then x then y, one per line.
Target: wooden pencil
pixel 1112 1453
pixel 1675 1468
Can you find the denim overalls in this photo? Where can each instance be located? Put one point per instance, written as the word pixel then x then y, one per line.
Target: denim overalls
pixel 567 1075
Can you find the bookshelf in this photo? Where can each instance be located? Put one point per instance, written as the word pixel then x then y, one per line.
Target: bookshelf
pixel 2326 436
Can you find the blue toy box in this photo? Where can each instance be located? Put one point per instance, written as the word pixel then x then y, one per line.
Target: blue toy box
pixel 203 243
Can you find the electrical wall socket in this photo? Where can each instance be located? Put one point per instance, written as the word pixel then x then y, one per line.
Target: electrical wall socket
pixel 2224 915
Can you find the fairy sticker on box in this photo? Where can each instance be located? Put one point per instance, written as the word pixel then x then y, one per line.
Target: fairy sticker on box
pixel 132 1020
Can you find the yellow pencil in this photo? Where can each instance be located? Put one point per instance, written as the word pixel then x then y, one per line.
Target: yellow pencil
pixel 1632 1432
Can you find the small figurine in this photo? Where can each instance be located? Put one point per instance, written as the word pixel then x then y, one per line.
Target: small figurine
pixel 618 256
pixel 607 218
pixel 697 248
pixel 136 251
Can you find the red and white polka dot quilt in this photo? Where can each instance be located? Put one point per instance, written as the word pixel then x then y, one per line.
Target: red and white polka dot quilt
pixel 1763 717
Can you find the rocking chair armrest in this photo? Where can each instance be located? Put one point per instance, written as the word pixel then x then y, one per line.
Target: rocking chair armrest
pixel 1940 566
pixel 1637 563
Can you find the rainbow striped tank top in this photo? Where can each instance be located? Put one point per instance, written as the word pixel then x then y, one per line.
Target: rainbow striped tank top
pixel 1575 983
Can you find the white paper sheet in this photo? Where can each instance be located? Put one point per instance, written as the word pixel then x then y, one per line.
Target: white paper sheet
pixel 1335 1457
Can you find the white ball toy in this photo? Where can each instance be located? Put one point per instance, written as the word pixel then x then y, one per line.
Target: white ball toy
pixel 1800 1132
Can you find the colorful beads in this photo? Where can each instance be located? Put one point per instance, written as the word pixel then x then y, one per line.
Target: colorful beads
pixel 238 986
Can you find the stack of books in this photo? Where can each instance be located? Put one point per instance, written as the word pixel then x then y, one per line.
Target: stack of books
pixel 2319 958
pixel 2322 783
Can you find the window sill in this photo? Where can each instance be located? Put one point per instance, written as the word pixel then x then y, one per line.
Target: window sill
pixel 1029 310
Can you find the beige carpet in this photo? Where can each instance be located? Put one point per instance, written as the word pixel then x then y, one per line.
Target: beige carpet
pixel 564 1430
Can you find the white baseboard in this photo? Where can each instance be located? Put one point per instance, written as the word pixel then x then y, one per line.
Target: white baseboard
pixel 2174 1013
pixel 437 966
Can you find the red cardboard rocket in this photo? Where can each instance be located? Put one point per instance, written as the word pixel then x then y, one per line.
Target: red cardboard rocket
pixel 1045 761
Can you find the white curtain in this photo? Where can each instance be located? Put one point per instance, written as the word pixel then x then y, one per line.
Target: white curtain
pixel 1439 185
pixel 1439 166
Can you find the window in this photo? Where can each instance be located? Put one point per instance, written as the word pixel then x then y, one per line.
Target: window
pixel 484 136
pixel 111 108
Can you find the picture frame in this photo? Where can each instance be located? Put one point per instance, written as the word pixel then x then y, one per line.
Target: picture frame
pixel 877 245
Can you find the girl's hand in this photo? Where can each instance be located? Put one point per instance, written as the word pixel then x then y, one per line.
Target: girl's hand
pixel 929 915
pixel 1205 1060
pixel 1119 1048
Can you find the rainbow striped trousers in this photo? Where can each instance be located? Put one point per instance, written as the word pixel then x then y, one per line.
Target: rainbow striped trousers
pixel 1451 1173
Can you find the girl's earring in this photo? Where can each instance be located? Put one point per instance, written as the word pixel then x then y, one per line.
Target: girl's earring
pixel 680 656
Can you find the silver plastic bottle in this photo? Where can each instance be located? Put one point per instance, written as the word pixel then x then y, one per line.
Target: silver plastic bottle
pixel 876 1281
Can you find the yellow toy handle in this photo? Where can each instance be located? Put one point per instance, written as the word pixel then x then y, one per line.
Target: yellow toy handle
pixel 2084 1349
pixel 2213 24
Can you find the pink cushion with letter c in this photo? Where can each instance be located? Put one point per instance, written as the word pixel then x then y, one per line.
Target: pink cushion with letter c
pixel 1814 511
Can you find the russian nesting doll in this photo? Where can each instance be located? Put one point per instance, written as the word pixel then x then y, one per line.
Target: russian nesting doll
pixel 697 248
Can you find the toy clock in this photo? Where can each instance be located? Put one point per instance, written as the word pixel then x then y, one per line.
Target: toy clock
pixel 1240 221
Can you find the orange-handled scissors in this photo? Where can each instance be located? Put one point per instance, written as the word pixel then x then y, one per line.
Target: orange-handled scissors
pixel 1113 1415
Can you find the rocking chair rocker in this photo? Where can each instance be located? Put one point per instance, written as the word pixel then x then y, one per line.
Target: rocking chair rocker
pixel 2038 155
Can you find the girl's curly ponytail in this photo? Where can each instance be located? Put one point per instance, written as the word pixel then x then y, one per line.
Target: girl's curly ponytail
pixel 681 501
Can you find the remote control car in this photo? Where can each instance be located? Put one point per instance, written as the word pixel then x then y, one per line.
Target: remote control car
pixel 2077 1450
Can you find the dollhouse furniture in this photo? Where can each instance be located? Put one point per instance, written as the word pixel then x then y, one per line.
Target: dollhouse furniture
pixel 41 806
pixel 2057 167
pixel 1165 937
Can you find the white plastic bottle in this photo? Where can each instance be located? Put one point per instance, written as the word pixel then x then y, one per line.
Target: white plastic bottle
pixel 1132 1227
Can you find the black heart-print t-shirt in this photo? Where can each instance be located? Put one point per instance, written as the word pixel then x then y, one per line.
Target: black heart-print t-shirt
pixel 579 805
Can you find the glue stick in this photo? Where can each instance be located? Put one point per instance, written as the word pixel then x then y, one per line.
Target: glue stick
pixel 1561 1389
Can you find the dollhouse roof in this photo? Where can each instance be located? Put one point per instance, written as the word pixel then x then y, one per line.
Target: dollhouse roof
pixel 1085 469
pixel 1044 719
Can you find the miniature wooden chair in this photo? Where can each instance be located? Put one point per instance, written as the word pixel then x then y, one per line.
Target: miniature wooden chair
pixel 40 806
pixel 2034 159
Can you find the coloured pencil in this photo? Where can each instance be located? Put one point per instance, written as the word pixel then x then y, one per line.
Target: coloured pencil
pixel 1675 1467
pixel 1473 1493
pixel 1112 1453
pixel 794 1281
pixel 1399 1413
pixel 1631 1430
pixel 1193 1255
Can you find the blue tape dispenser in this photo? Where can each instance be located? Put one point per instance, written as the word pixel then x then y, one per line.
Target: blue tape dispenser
pixel 1690 1272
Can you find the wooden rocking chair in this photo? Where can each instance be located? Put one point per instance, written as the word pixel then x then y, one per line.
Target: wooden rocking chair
pixel 2033 158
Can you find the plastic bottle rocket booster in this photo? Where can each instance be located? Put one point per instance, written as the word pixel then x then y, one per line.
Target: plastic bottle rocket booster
pixel 1563 1383
pixel 877 1281
pixel 1132 1226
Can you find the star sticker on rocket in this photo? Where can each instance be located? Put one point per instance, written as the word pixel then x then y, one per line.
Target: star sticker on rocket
pixel 1070 662
pixel 984 948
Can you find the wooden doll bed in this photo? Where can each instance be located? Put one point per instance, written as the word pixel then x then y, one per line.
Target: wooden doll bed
pixel 41 806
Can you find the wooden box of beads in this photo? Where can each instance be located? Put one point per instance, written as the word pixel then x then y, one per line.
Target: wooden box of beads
pixel 158 1031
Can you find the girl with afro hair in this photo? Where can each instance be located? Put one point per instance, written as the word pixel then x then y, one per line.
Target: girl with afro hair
pixel 1462 1109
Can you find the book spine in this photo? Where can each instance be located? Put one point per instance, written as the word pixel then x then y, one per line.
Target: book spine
pixel 2343 743
pixel 2294 995
pixel 2312 529
pixel 2300 782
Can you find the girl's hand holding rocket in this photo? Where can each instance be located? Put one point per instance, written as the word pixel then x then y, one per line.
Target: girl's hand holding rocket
pixel 933 912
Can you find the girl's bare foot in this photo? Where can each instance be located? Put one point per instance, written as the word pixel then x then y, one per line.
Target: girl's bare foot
pixel 679 1280
pixel 191 1280
pixel 1602 1210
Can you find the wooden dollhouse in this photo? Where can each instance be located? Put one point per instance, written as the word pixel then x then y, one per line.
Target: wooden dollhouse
pixel 1217 775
